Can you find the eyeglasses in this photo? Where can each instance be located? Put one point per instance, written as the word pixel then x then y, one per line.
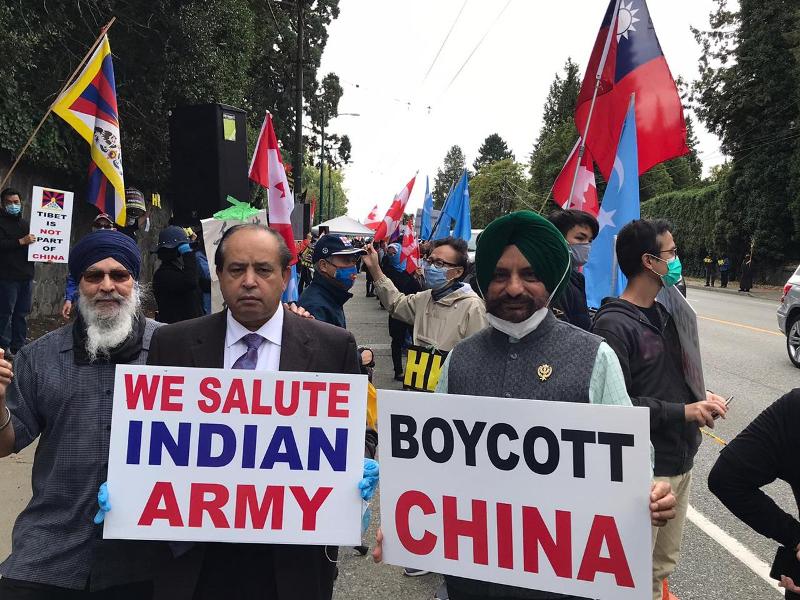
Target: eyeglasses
pixel 673 252
pixel 440 264
pixel 117 276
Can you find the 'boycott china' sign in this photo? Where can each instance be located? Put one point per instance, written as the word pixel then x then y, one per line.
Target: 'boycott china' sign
pixel 551 496
pixel 236 456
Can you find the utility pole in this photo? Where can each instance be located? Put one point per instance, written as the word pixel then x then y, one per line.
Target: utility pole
pixel 322 170
pixel 297 170
pixel 330 192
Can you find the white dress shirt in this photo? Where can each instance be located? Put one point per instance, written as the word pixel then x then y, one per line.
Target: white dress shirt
pixel 269 353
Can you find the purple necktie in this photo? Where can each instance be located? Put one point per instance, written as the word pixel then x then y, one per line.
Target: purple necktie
pixel 249 359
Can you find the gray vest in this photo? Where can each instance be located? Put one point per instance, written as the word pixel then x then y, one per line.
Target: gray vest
pixel 488 364
pixel 554 362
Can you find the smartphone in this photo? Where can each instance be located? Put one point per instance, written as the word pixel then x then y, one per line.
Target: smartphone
pixel 785 563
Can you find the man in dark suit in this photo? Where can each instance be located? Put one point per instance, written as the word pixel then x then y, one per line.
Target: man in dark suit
pixel 255 332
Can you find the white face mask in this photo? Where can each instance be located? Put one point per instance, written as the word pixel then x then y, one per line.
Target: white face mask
pixel 518 330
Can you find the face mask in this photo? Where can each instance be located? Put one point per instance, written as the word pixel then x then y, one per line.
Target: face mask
pixel 14 209
pixel 674 271
pixel 518 330
pixel 344 276
pixel 580 253
pixel 435 277
pixel 130 221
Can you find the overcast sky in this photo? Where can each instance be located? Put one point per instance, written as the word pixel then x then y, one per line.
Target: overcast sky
pixel 382 50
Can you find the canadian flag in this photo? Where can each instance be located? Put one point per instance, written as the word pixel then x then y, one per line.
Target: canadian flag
pixel 372 219
pixel 394 215
pixel 410 250
pixel 267 170
pixel 584 197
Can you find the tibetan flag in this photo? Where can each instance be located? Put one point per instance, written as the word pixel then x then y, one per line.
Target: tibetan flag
pixel 584 195
pixel 89 105
pixel 627 59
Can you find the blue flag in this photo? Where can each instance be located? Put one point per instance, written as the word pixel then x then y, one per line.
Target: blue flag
pixel 441 228
pixel 426 223
pixel 290 293
pixel 620 206
pixel 457 208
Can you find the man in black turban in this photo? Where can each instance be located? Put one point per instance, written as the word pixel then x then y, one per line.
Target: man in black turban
pixel 522 264
pixel 61 394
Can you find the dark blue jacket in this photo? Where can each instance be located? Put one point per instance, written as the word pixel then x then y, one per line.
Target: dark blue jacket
pixel 325 300
pixel 573 302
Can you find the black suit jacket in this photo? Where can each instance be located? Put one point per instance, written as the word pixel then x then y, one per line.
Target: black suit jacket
pixel 257 571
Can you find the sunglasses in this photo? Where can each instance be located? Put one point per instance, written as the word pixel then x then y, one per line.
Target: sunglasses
pixel 117 276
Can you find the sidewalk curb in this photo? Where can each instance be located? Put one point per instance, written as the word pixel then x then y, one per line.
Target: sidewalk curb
pixel 766 295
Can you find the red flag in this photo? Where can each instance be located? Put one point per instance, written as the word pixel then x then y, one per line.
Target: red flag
pixel 372 219
pixel 630 62
pixel 584 195
pixel 268 171
pixel 394 215
pixel 410 250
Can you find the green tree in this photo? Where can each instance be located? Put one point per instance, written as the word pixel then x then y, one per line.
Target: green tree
pixel 166 53
pixel 497 189
pixel 447 175
pixel 558 134
pixel 494 148
pixel 747 94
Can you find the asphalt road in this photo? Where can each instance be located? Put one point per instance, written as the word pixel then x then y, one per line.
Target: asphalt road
pixel 743 354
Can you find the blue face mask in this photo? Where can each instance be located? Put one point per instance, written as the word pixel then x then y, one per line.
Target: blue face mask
pixel 435 277
pixel 344 276
pixel 14 209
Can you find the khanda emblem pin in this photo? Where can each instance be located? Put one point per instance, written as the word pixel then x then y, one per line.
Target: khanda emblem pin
pixel 544 371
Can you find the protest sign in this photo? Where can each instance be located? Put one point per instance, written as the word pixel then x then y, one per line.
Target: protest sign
pixel 686 323
pixel 51 223
pixel 213 230
pixel 236 456
pixel 551 496
pixel 423 368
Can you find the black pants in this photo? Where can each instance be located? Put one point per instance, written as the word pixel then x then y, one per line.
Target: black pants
pixel 397 331
pixel 370 285
pixel 711 276
pixel 14 589
pixel 723 276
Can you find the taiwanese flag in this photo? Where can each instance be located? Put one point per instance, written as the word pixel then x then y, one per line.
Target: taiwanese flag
pixel 631 62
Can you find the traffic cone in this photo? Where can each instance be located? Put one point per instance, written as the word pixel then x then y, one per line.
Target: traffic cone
pixel 666 593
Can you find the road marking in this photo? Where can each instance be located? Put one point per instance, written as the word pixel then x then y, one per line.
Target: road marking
pixel 733 323
pixel 734 546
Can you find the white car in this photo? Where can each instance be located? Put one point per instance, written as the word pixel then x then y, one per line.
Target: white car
pixel 471 244
pixel 789 317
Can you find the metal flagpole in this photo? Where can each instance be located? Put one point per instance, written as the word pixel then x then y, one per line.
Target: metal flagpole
pixel 441 212
pixel 103 32
pixel 612 30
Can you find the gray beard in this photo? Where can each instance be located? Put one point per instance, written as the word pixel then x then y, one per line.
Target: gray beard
pixel 106 332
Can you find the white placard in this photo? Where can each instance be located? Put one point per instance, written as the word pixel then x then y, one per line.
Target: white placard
pixel 213 229
pixel 236 456
pixel 551 496
pixel 686 323
pixel 51 223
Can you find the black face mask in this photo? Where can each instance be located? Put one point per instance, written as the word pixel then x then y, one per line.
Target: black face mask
pixel 167 254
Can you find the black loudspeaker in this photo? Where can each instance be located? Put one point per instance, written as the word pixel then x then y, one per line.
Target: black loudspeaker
pixel 208 153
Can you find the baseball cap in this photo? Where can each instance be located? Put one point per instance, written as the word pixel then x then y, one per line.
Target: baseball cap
pixel 172 237
pixel 334 245
pixel 102 217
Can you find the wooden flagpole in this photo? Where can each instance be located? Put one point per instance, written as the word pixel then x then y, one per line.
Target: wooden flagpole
pixel 71 78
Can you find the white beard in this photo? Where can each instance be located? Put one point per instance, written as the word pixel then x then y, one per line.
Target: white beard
pixel 104 332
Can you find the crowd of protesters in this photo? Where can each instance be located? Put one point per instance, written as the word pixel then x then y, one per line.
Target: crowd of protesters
pixel 522 302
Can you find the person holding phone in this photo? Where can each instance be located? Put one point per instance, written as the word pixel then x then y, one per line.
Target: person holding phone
pixel 764 451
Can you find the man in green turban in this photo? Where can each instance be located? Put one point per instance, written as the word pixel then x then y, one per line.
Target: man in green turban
pixel 522 264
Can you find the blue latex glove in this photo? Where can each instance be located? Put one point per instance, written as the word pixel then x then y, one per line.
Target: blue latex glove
pixel 370 479
pixel 184 248
pixel 102 502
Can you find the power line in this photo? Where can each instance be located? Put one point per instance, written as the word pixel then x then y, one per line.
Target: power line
pixel 444 41
pixel 478 45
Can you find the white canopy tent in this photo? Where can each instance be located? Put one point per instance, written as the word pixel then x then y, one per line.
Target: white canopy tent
pixel 344 225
